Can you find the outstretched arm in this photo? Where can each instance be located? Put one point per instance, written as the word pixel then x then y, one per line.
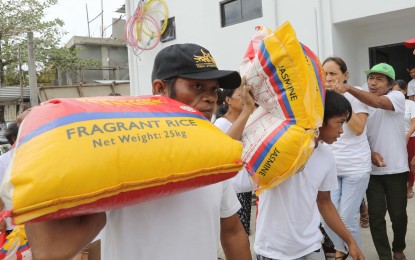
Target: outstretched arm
pixel 234 239
pixel 368 98
pixel 333 220
pixel 64 238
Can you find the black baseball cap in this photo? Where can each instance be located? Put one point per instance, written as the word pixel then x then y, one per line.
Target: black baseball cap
pixel 192 61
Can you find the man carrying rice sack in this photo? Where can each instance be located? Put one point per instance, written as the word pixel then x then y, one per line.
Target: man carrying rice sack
pixel 183 226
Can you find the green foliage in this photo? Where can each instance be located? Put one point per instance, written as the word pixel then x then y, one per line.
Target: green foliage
pixel 20 17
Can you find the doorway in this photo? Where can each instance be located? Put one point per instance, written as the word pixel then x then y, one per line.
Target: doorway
pixel 396 55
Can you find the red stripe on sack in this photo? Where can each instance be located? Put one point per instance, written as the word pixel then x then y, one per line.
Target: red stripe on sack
pixel 271 76
pixel 136 196
pixel 262 147
pixel 319 73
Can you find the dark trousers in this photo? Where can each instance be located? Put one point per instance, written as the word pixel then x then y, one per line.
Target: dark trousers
pixel 387 193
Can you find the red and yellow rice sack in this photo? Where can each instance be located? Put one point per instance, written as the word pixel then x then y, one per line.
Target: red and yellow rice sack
pixel 288 84
pixel 79 156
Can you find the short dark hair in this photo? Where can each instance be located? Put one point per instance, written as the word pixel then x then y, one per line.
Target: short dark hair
pixel 336 105
pixel 402 84
pixel 11 132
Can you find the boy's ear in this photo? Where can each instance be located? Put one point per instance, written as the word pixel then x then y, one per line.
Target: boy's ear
pixel 159 88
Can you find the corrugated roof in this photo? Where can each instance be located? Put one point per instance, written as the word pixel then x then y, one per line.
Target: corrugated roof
pixel 12 93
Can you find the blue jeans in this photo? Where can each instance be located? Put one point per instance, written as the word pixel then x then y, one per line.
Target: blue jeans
pixel 347 199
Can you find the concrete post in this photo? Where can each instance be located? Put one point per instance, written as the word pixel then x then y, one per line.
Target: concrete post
pixel 34 91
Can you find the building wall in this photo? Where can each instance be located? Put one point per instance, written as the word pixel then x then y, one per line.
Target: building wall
pixel 115 58
pixel 342 28
pixel 111 53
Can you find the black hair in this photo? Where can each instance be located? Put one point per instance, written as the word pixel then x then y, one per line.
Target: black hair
pixel 223 105
pixel 336 105
pixel 340 62
pixel 171 83
pixel 11 132
pixel 411 67
pixel 402 84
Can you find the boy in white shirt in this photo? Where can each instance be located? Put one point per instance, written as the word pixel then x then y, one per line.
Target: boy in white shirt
pixel 289 214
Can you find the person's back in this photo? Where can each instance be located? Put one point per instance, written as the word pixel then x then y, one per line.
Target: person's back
pixel 183 226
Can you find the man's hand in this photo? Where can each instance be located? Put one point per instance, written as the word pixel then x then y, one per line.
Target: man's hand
pixel 378 160
pixel 340 87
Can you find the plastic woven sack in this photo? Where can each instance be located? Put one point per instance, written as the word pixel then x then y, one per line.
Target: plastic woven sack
pixel 287 80
pixel 86 155
pixel 274 149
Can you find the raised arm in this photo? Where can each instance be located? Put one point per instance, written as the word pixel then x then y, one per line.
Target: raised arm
pixel 368 98
pixel 63 239
pixel 235 131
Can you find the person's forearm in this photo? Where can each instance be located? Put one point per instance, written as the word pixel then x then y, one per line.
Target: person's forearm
pixel 63 239
pixel 237 128
pixel 412 129
pixel 234 240
pixel 357 123
pixel 365 97
pixel 333 220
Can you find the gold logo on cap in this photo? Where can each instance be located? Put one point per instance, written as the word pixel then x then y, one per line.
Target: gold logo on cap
pixel 205 60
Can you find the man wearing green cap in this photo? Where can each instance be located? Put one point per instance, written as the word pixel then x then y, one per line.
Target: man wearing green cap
pixel 386 135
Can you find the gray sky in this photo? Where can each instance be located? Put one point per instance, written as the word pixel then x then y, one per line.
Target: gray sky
pixel 73 13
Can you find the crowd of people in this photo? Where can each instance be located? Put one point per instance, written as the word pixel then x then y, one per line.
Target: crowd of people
pixel 365 149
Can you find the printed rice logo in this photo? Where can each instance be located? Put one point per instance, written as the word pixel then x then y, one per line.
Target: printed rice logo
pixel 205 60
pixel 187 108
pixel 128 101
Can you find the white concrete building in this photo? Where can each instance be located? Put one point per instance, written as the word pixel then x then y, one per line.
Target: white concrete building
pixel 363 33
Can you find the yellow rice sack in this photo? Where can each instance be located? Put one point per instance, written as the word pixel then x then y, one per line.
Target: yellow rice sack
pixel 86 155
pixel 286 76
pixel 274 149
pixel 288 84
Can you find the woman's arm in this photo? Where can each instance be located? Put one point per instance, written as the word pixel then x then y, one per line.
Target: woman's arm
pixel 357 123
pixel 249 106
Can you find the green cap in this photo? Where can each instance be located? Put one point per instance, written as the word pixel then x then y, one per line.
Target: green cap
pixel 382 68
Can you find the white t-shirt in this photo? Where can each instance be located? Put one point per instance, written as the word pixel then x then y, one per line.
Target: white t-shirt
pixel 4 163
pixel 409 114
pixel 242 182
pixel 386 135
pixel 411 88
pixel 352 152
pixel 184 226
pixel 288 218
